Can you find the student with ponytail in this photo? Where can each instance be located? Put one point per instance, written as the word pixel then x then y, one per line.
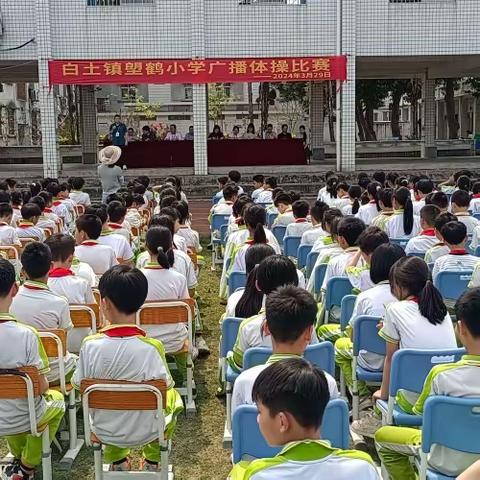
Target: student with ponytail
pixel 371 210
pixel 418 320
pixel 386 208
pixel 402 224
pixel 342 196
pixel 354 194
pixel 330 195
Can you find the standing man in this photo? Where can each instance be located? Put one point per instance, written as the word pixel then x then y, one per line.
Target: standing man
pixel 118 130
pixel 189 134
pixel 284 134
pixel 172 135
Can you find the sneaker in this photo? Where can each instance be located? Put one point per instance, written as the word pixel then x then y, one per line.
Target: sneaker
pixel 147 466
pixel 16 472
pixel 368 425
pixel 194 353
pixel 202 345
pixel 124 465
pixel 10 468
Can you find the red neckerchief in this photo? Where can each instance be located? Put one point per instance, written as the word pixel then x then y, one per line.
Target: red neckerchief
pixel 115 331
pixel 372 201
pixel 476 195
pixel 48 210
pixel 60 272
pixel 89 243
pixel 301 220
pixel 25 224
pixel 56 203
pixel 429 232
pixel 115 226
pixel 458 251
pixel 413 298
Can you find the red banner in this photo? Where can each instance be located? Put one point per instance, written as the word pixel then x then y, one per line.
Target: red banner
pixel 80 72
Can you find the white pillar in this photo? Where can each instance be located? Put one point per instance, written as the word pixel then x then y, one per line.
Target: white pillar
pixel 50 152
pixel 429 150
pixel 317 120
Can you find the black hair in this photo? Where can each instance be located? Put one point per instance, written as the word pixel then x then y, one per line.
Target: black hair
pixel 300 209
pixel 116 211
pixel 318 210
pixel 328 174
pixel 11 182
pixel 255 217
pixel 113 197
pixel 61 246
pixel 373 190
pixel 170 212
pixel 90 224
pixel 276 271
pixel 371 238
pixel 272 181
pixel 235 175
pixel 413 275
pixel 251 301
pixel 229 191
pixel 363 181
pixel 443 219
pixel 30 210
pixel 282 197
pixel 16 197
pixel 137 198
pixel 36 260
pixel 144 180
pixel 355 192
pixel 329 215
pixel 402 196
pixel 5 210
pixel 463 183
pixel 163 221
pixel 331 186
pixel 289 311
pixel 239 206
pixel 26 196
pixel 7 277
pixel 38 200
pixel 183 212
pixel 3 186
pixel 342 186
pixel 476 188
pixel 99 210
pixel 35 188
pixel 77 183
pixel 295 386
pixel 385 196
pixel 461 173
pixel 439 199
pixel 429 214
pixel 5 197
pixel 454 233
pixel 258 178
pixel 461 198
pixel 222 180
pixel 159 241
pixel 54 188
pixel 424 186
pixel 294 196
pixel 167 201
pixel 467 310
pixel 47 196
pixel 392 178
pixel 125 287
pixel 383 258
pixel 401 182
pixel 350 229
pixel 379 176
pixel 139 188
pixel 168 192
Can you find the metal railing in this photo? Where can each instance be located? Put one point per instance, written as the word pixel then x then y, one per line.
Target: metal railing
pixel 116 3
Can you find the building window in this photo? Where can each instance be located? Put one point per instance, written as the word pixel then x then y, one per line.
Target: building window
pixel 11 121
pixel 114 3
pixel 187 91
pixel 406 115
pixel 227 88
pixel 1 87
pixel 386 115
pixel 128 93
pixel 375 116
pixel 102 105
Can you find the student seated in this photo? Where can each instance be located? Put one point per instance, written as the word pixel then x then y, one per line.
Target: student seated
pixel 134 202
pixel 108 354
pixel 460 202
pixel 191 237
pixel 291 397
pixel 20 346
pixel 403 223
pixel 258 185
pixel 36 305
pixel 15 199
pixel 439 199
pixel 418 320
pixel 266 196
pixel 59 207
pixel 327 241
pixel 474 206
pixel 426 239
pixel 48 211
pixel 371 209
pixel 76 193
pixel 44 221
pixel 88 249
pixel 273 272
pixel 283 203
pixel 341 195
pixel 179 242
pixel 455 236
pixel 27 227
pixel 230 194
pixel 354 195
pixel 8 234
pixel 310 236
pixel 300 210
pixel 117 212
pixel 397 445
pixel 439 249
pixel 290 314
pixel 421 189
pixel 386 208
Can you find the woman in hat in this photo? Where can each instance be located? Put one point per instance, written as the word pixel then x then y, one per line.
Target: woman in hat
pixel 110 174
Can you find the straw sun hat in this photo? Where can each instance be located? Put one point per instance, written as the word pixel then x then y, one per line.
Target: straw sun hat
pixel 109 155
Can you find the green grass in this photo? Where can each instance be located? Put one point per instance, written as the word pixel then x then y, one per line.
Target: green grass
pixel 197 444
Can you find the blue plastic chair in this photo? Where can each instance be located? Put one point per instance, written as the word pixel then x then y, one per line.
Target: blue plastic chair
pixel 450 422
pixel 216 235
pixel 236 280
pixel 402 242
pixel 302 254
pixel 347 305
pixel 248 442
pixel 476 215
pixel 290 246
pixel 321 354
pixel 477 250
pixel 319 275
pixel 311 260
pixel 452 284
pixel 215 199
pixel 408 372
pixel 365 337
pixel 223 234
pixel 279 233
pixel 337 288
pixel 271 218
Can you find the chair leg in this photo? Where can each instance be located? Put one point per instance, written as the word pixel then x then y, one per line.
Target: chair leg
pixel 97 455
pixel 227 435
pixel 164 462
pixel 355 405
pixel 75 444
pixel 343 388
pixel 190 406
pixel 46 455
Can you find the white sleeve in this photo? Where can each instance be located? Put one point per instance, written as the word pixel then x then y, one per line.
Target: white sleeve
pixel 474 244
pixel 238 394
pixel 191 277
pixel 436 268
pixel 89 298
pixel 65 320
pixel 475 280
pixel 127 252
pixel 328 274
pixel 113 258
pixel 183 290
pixel 332 387
pixel 239 263
pixel 409 247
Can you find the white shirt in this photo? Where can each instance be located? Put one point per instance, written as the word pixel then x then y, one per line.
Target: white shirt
pixel 284 218
pixel 470 222
pixel 264 197
pixel 256 193
pixel 191 237
pixel 232 302
pixel 417 206
pixel 420 244
pixel 45 222
pixel 62 211
pixel 222 209
pixel 474 206
pixel 405 325
pixel 180 242
pixel 119 244
pixel 100 257
pixel 340 202
pixel 394 226
pixel 297 229
pixel 75 289
pixel 30 231
pixel 309 237
pixel 337 266
pixel 166 284
pixel 454 262
pixel 123 229
pixel 80 198
pixel 367 212
pixel 437 251
pixel 134 218
pixel 85 271
pixel 173 136
pixel 239 265
pixel 8 235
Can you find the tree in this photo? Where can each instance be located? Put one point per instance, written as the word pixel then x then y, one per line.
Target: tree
pixel 294 102
pixel 250 102
pixel 141 110
pixel 448 86
pixel 413 96
pixel 398 88
pixel 330 96
pixel 266 98
pixel 217 100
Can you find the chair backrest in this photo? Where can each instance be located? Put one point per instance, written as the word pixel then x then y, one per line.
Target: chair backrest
pixel 96 295
pixel 410 367
pixel 279 233
pixel 13 382
pixel 236 280
pixel 476 215
pixel 271 218
pixel 136 231
pixel 347 305
pixel 193 256
pixel 477 250
pixel 230 326
pixel 166 312
pixel 452 284
pixel 302 254
pixel 248 441
pixel 9 252
pixel 321 354
pixel 402 242
pixel 451 422
pixel 311 260
pixel 26 240
pixel 85 316
pixel 366 337
pixel 223 233
pixel 290 246
pixel 51 340
pixel 319 274
pixel 337 288
pixel 218 220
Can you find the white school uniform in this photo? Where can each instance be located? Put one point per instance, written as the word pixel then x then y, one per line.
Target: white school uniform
pixel 470 222
pixel 340 202
pixel 309 237
pixel 191 237
pixel 256 193
pixel 224 208
pixel 119 229
pixel 119 244
pixel 417 206
pixel 232 302
pixel 298 228
pixel 265 196
pixel 474 206
pixel 243 386
pixel 321 194
pixel 8 235
pixel 62 210
pixel 100 257
pixel 437 251
pixel 85 271
pixel 134 218
pixel 36 305
pixel 16 217
pixel 29 230
pixel 454 260
pixel 368 212
pixel 285 218
pixel 394 226
pixel 20 346
pixel 422 242
pixel 337 266
pixel 179 243
pixel 80 198
pixel 49 215
pixel 239 264
pixel 45 222
pixel 326 254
